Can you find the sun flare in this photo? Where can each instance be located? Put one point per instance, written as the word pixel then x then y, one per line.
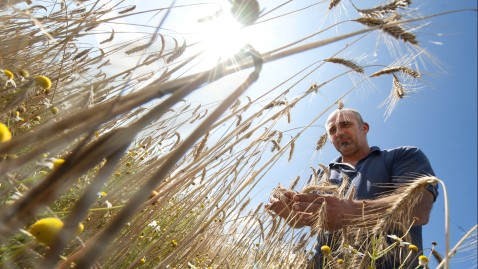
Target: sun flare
pixel 222 38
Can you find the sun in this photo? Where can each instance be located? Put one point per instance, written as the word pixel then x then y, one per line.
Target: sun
pixel 222 37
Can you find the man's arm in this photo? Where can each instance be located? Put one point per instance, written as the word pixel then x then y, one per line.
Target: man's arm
pixel 423 208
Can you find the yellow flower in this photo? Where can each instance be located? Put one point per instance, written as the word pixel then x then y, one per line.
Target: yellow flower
pixel 102 194
pixel 54 109
pixel 325 249
pixel 45 230
pixel 80 228
pixel 413 248
pixel 423 260
pixel 10 78
pixel 174 243
pixel 142 261
pixel 43 82
pixel 340 261
pixel 5 134
pixel 9 74
pixel 24 73
pixel 57 163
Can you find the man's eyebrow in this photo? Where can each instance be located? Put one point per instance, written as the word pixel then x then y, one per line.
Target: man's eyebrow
pixel 340 122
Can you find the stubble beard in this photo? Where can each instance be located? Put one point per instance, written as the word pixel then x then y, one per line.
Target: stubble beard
pixel 345 147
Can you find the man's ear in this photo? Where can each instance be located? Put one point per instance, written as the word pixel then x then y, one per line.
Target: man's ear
pixel 365 127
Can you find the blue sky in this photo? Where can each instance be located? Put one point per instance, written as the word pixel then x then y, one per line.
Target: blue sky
pixel 442 121
pixel 440 117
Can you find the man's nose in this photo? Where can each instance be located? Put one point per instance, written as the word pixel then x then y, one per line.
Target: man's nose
pixel 339 132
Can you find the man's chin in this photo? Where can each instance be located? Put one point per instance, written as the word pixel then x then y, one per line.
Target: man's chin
pixel 345 149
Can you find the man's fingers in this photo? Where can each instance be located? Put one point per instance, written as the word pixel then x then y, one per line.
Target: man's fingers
pixel 279 207
pixel 309 197
pixel 301 218
pixel 306 207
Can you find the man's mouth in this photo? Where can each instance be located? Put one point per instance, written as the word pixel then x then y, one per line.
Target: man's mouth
pixel 344 142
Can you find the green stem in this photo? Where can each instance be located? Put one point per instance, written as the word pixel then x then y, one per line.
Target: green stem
pixel 89 210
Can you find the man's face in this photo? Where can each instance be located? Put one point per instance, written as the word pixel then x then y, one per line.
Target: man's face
pixel 346 133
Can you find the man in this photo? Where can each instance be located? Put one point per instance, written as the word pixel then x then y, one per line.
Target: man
pixel 370 170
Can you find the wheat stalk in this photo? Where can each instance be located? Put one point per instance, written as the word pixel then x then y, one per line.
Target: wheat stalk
pixel 346 63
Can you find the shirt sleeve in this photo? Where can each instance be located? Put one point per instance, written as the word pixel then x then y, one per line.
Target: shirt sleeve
pixel 410 163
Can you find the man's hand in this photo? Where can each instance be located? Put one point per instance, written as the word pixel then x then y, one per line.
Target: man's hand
pixel 342 212
pixel 301 209
pixel 338 212
pixel 281 202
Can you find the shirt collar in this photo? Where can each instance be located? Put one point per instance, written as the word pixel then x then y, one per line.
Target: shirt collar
pixel 373 150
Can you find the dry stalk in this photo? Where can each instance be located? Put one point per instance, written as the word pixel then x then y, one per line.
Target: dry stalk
pixel 90 253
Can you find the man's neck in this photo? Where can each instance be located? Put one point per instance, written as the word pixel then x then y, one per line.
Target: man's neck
pixel 353 159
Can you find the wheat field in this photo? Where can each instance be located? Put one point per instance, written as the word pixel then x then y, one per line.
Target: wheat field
pixel 144 135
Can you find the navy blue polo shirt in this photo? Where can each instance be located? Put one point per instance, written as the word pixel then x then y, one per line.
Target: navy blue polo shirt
pixel 379 171
pixel 375 174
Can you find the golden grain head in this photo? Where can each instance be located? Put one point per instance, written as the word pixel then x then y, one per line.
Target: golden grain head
pixel 333 3
pixel 43 82
pixel 340 104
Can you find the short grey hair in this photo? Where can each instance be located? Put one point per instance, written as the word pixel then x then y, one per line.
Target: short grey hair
pixel 347 110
